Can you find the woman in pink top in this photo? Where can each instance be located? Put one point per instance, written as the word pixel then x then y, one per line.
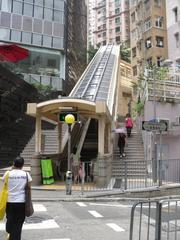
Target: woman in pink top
pixel 128 124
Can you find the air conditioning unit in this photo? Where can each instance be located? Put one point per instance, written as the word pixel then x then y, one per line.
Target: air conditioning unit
pixel 166 120
pixel 178 120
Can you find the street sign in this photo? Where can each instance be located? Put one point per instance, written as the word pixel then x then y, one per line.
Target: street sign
pixel 154 126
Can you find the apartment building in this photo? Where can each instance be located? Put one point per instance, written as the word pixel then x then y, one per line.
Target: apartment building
pixel 90 21
pixel 148 33
pixel 173 30
pixel 111 22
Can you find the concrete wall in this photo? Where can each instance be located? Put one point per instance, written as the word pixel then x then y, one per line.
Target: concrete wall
pixel 171 138
pixel 173 27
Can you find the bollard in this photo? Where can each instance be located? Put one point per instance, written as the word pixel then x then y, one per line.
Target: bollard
pixel 68 182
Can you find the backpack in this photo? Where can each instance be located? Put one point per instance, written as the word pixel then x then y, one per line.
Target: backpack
pixel 129 122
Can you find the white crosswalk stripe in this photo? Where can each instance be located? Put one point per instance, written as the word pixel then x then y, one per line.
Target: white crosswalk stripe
pixel 45 224
pixel 39 208
pixel 115 227
pixel 81 204
pixel 95 214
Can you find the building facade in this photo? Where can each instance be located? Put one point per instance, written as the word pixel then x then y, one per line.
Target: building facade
pixel 111 22
pixel 148 33
pixel 173 29
pixel 40 26
pixel 91 21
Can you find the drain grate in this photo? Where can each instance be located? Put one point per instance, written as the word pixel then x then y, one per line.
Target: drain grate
pixel 37 218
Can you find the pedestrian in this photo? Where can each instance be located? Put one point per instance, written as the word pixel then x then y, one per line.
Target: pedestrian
pixel 128 124
pixel 15 208
pixel 121 144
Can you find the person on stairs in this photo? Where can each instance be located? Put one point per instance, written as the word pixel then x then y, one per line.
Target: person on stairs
pixel 121 144
pixel 128 124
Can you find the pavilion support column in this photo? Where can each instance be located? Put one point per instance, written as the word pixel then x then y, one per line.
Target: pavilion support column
pixel 38 135
pixel 109 138
pixel 59 137
pixel 36 159
pixel 100 164
pixel 101 135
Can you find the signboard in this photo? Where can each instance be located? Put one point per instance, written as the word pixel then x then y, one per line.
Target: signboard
pixel 154 126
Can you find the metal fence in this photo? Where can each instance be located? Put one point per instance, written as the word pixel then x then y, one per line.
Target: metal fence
pixel 130 175
pixel 149 173
pixel 155 220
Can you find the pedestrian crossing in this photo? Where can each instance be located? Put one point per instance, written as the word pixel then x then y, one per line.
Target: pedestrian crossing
pixel 48 224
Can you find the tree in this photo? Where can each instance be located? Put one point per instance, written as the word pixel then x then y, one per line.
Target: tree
pixel 91 52
pixel 125 53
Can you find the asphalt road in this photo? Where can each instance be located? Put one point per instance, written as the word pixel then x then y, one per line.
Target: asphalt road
pixel 97 220
pixel 77 221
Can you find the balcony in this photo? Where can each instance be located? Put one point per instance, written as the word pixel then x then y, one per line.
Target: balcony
pixel 164 90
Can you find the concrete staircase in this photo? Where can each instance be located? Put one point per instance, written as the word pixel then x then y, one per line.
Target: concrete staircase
pixel 133 164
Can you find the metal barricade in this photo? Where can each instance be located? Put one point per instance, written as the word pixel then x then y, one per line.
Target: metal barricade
pixel 155 220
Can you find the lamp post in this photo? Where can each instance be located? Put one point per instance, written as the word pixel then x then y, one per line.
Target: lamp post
pixel 69 119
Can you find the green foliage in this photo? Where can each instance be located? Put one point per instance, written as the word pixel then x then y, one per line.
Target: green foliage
pixel 125 53
pixel 44 90
pixel 159 73
pixel 139 108
pixel 91 52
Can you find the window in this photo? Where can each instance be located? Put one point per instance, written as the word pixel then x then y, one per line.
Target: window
pixel 6 5
pixel 117 11
pixel 48 3
pixel 147 24
pixel 134 52
pixel 148 43
pixel 17 7
pixel 159 22
pixel 57 43
pixel 134 71
pixel 159 60
pixel 28 9
pixel 38 12
pixel 48 14
pixel 176 35
pixel 175 10
pixel 16 36
pixel 159 42
pixel 117 29
pixel 104 34
pixel 133 17
pixel 37 39
pixel 149 61
pixel 157 3
pixel 5 33
pixel 118 39
pixel 39 2
pixel 117 20
pixel 47 41
pixel 26 37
